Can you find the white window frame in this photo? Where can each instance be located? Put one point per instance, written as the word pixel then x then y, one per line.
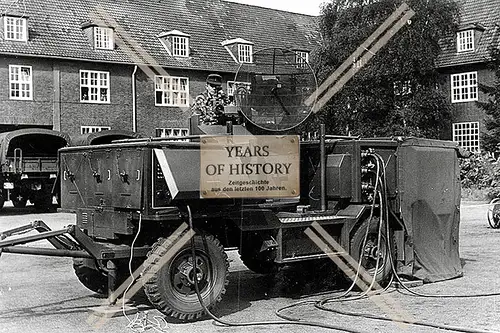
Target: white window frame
pixel 99 83
pixel 402 88
pixel 180 46
pixel 103 38
pixel 172 132
pixel 23 83
pixel 465 40
pixel 173 93
pixel 93 129
pixel 233 85
pixel 15 28
pixel 245 53
pixel 464 87
pixel 467 134
pixel 301 59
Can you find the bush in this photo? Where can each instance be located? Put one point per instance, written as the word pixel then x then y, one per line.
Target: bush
pixel 481 172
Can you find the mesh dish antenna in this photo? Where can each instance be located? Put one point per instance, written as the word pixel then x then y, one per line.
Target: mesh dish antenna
pixel 271 91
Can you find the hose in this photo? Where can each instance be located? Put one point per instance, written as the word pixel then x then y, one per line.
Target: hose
pixel 256 323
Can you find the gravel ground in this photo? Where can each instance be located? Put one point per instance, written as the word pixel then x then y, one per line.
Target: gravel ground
pixel 42 294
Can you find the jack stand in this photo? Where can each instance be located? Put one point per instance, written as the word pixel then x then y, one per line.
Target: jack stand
pixel 113 309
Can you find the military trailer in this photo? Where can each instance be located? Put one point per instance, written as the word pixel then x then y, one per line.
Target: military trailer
pixel 391 205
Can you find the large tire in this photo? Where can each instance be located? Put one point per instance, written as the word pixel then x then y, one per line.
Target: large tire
pixel 43 202
pixel 260 265
pixel 170 281
pixel 90 276
pixel 370 251
pixel 257 260
pixel 19 202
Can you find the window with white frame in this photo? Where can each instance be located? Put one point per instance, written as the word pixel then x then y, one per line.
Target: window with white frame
pixel 402 88
pixel 93 129
pixel 464 87
pixel 465 40
pixel 20 82
pixel 232 86
pixel 103 38
pixel 171 91
pixel 171 132
pixel 245 53
pixel 467 135
pixel 94 86
pixel 301 59
pixel 180 46
pixel 15 28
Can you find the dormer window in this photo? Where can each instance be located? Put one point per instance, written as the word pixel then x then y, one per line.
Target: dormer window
pixel 240 50
pixel 15 28
pixel 103 38
pixel 301 59
pixel 465 40
pixel 176 43
pixel 245 53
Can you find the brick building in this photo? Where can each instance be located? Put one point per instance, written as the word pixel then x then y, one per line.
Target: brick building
pixel 464 65
pixel 80 66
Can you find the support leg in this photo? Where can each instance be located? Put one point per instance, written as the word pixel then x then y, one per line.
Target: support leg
pixel 112 278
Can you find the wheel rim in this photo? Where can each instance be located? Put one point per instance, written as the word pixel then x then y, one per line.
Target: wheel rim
pixel 494 214
pixel 371 252
pixel 182 274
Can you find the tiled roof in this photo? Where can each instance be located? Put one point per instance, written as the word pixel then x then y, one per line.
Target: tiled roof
pixel 55 30
pixel 485 13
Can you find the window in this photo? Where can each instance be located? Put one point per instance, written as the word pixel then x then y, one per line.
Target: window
pixel 103 38
pixel 172 132
pixel 402 88
pixel 94 86
pixel 15 28
pixel 245 53
pixel 465 41
pixel 20 82
pixel 464 87
pixel 180 46
pixel 301 59
pixel 233 85
pixel 467 135
pixel 93 129
pixel 175 42
pixel 171 91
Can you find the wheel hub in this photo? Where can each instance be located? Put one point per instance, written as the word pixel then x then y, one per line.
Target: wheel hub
pixel 183 277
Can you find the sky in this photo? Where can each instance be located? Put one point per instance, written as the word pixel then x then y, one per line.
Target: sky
pixel 310 7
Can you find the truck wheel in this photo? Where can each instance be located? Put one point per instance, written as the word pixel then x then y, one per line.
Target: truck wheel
pixel 169 282
pixel 43 202
pixel 260 265
pixel 19 202
pixel 370 252
pixel 90 276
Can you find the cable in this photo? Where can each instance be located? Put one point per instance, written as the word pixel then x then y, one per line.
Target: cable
pixel 256 323
pixel 398 278
pixel 140 324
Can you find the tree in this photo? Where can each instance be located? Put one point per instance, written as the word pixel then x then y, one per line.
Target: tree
pixel 396 92
pixel 491 138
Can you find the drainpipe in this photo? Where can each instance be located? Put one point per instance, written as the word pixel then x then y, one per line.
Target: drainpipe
pixel 134 107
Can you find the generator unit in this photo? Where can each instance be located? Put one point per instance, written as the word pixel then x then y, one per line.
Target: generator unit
pixel 390 205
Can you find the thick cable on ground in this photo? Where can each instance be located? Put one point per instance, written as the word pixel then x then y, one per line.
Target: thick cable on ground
pixel 256 323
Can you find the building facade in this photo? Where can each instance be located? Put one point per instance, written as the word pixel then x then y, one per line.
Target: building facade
pixel 83 66
pixel 464 65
